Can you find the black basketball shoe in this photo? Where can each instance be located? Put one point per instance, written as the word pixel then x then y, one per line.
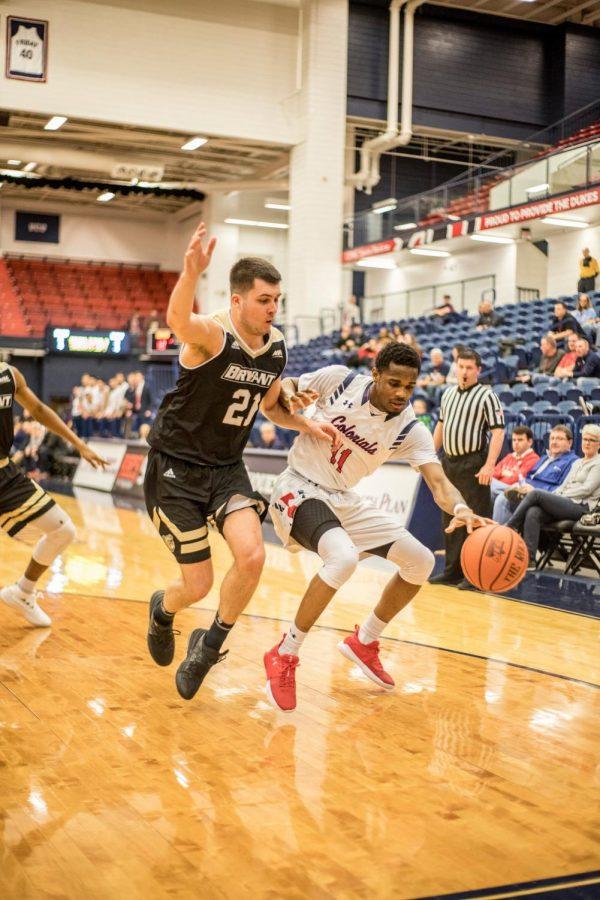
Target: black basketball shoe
pixel 194 669
pixel 161 640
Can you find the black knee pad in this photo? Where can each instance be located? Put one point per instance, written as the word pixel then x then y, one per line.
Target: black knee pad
pixel 311 520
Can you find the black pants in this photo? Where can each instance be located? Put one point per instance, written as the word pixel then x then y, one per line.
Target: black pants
pixel 585 285
pixel 537 509
pixel 461 471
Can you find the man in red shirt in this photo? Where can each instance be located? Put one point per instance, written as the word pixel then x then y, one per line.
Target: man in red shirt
pixel 517 464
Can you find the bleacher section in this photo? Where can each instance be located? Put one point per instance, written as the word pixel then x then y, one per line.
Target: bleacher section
pixel 38 292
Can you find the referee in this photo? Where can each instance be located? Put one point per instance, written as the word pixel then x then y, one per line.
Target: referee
pixel 468 413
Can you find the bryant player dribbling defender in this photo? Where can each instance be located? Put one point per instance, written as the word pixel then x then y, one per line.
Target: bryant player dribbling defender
pixel 26 510
pixel 230 366
pixel 313 504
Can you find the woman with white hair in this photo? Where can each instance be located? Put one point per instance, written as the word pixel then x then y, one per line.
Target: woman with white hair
pixel 577 495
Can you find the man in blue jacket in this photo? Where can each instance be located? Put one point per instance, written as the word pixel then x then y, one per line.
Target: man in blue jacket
pixel 546 475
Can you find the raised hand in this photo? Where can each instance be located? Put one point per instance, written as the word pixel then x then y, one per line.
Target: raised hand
pixel 197 257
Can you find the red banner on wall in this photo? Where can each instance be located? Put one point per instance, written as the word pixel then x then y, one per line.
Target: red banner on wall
pixel 356 253
pixel 538 209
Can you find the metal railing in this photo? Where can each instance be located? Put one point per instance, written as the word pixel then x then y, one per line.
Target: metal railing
pixel 465 295
pixel 525 294
pixel 509 172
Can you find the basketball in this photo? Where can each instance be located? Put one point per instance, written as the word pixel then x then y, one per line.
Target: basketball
pixel 494 558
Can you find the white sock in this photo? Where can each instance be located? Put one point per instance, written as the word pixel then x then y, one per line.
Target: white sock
pixel 371 629
pixel 25 585
pixel 292 641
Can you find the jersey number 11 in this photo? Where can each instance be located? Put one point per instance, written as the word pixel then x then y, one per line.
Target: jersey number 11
pixel 341 459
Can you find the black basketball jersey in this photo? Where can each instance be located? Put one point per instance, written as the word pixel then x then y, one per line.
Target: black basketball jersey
pixel 207 418
pixel 8 388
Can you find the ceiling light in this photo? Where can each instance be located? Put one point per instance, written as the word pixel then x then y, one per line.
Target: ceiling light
pixel 423 251
pixel 194 143
pixel 254 224
pixel 375 262
pixel 492 239
pixel 55 123
pixel 384 206
pixel 30 167
pixel 565 223
pixel 105 197
pixel 537 188
pixel 406 227
pixel 453 218
pixel 277 204
pixel 14 162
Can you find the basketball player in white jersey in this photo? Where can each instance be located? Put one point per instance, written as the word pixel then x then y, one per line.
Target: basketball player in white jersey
pixel 313 504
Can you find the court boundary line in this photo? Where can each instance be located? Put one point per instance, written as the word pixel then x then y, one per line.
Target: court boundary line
pixel 521 888
pixel 247 615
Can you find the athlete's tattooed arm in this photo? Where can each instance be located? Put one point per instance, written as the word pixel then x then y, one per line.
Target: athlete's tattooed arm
pixel 450 500
pixel 200 332
pixel 275 412
pixel 47 417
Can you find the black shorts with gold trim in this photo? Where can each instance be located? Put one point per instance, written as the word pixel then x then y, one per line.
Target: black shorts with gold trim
pixel 22 501
pixel 181 498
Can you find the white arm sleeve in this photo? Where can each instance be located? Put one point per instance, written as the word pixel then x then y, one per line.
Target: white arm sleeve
pixel 324 381
pixel 418 448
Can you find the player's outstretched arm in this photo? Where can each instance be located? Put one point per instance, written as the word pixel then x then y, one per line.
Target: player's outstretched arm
pixel 190 327
pixel 450 500
pixel 47 417
pixel 292 399
pixel 274 411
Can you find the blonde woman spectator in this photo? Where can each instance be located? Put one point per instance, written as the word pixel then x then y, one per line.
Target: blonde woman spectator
pixel 586 316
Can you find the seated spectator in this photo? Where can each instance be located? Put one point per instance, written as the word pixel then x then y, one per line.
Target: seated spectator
pixel 452 376
pixel 515 466
pixel 357 335
pixel 409 338
pixel 367 353
pixel 421 410
pixel 397 332
pixel 577 495
pixel 566 364
pixel 437 374
pixel 344 342
pixel 548 473
pixel 269 438
pixel 549 360
pixel 445 311
pixel 488 317
pixel 587 317
pixel 384 334
pixel 563 322
pixel 587 364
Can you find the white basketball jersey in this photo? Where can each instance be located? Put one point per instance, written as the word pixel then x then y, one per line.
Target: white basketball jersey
pixel 369 436
pixel 26 51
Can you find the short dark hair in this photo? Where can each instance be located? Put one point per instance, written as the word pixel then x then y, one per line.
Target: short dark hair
pixel 246 269
pixel 400 354
pixel 473 355
pixel 565 430
pixel 561 303
pixel 524 429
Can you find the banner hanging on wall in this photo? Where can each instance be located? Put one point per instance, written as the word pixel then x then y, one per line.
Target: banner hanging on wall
pixel 33 226
pixel 26 49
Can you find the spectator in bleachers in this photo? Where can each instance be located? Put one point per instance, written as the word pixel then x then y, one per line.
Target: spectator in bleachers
pixel 566 364
pixel 422 412
pixel 345 341
pixel 587 364
pixel 549 360
pixel 445 311
pixel 357 335
pixel 269 439
pixel 577 495
pixel 397 333
pixel 587 317
pixel 410 340
pixel 437 374
pixel 139 401
pixel 563 322
pixel 588 270
pixel 548 473
pixel 452 376
pixel 515 466
pixel 488 317
pixel 351 312
pixel 368 352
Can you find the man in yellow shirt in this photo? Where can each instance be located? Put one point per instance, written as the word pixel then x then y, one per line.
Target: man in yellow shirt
pixel 588 269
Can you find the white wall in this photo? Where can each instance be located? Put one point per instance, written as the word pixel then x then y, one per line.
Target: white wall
pixel 100 235
pixel 498 260
pixel 532 267
pixel 227 67
pixel 564 253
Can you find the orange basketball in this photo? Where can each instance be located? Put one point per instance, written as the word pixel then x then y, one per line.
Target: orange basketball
pixel 494 558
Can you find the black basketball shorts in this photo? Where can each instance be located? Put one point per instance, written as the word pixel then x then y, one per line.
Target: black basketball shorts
pixel 182 498
pixel 22 500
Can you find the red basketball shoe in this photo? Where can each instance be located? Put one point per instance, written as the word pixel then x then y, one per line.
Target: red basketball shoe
pixel 281 678
pixel 366 657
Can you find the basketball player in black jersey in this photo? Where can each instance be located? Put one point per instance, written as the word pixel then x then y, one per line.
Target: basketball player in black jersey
pixel 26 510
pixel 230 366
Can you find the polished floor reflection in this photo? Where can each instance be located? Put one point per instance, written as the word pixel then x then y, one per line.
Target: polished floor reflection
pixel 481 769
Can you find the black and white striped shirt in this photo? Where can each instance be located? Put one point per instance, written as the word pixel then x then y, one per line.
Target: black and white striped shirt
pixel 467 416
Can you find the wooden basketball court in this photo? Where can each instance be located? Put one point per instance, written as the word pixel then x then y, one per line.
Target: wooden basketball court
pixel 480 772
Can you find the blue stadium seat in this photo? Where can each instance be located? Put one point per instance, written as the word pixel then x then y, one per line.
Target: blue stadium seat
pixel 551 395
